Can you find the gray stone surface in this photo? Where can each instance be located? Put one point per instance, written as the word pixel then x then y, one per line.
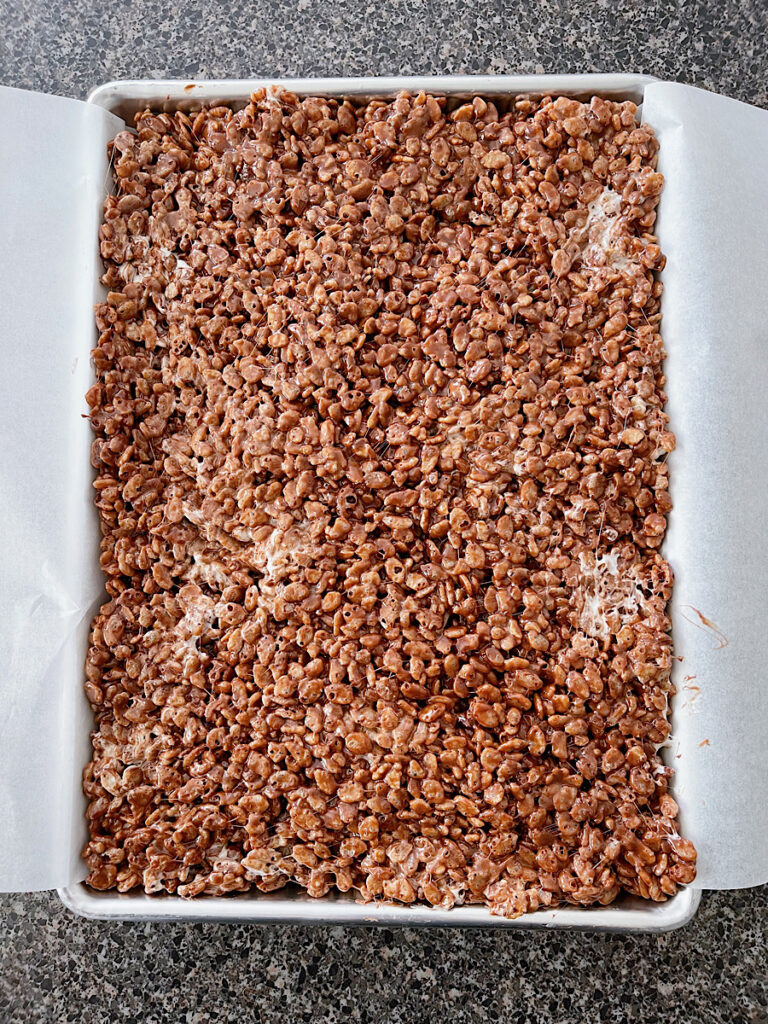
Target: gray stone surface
pixel 67 46
pixel 56 968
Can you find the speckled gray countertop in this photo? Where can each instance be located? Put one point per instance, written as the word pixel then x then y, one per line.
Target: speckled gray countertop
pixel 55 967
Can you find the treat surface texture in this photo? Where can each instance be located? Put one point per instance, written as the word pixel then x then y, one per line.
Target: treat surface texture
pixel 380 446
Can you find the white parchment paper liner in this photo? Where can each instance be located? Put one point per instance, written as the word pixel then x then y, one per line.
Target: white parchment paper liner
pixel 52 181
pixel 714 228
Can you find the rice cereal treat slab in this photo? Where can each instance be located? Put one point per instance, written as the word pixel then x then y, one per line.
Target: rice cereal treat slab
pixel 380 447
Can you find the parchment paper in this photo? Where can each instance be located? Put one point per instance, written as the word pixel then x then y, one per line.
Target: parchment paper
pixel 52 176
pixel 713 226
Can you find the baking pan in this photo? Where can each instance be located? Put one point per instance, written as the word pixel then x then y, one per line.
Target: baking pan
pixel 292 905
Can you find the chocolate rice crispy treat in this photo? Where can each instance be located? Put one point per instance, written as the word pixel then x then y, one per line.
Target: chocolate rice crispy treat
pixel 380 449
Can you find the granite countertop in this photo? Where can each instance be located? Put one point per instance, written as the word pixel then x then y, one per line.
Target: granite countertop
pixel 55 967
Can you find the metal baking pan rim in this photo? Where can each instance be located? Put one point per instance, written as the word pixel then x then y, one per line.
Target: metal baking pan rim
pixel 626 915
pixel 124 96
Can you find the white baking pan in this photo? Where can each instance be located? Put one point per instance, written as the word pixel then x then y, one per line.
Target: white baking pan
pixel 124 99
